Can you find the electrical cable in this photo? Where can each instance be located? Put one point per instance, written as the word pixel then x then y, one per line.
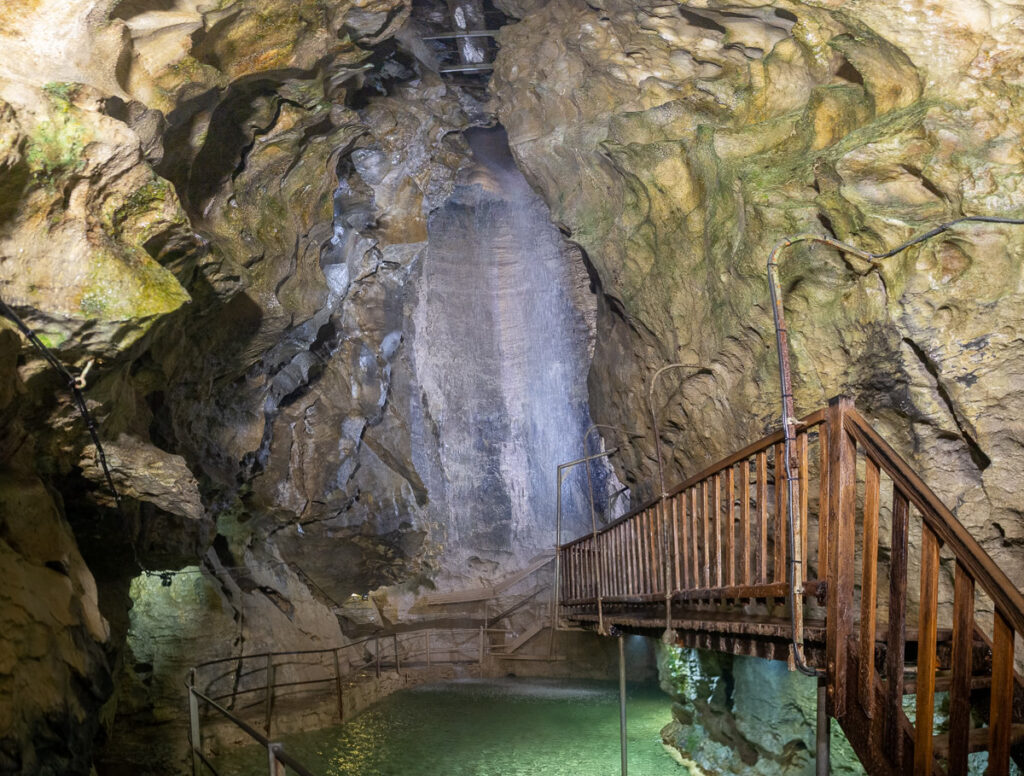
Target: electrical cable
pixel 75 385
pixel 786 390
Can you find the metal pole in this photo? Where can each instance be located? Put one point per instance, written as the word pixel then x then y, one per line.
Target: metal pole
pixel 428 648
pixel 823 744
pixel 376 649
pixel 622 700
pixel 482 650
pixel 193 722
pixel 398 660
pixel 556 587
pixel 270 692
pixel 276 766
pixel 337 687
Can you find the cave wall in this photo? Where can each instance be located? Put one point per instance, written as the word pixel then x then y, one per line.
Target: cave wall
pixel 678 144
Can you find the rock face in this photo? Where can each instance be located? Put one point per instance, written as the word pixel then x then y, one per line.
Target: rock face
pixel 678 144
pixel 744 715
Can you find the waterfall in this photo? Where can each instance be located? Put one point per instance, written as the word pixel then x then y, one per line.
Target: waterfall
pixel 501 353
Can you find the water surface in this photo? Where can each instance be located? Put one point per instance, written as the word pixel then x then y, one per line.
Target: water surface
pixel 489 728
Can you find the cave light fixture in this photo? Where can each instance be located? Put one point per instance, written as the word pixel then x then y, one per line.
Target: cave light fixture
pixel 789 419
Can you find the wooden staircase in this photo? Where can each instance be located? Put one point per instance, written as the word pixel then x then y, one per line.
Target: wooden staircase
pixel 521 615
pixel 901 603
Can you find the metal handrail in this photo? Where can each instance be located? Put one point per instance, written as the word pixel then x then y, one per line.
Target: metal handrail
pixel 275 750
pixel 453 655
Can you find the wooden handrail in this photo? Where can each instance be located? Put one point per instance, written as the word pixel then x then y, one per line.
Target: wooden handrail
pixel 941 520
pixel 762 445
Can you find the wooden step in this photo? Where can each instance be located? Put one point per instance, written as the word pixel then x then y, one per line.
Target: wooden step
pixel 524 637
pixel 978 740
pixel 944 681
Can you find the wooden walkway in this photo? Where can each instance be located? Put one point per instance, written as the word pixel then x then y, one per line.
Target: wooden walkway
pixel 898 598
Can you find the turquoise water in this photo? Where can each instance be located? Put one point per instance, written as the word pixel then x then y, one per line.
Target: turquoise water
pixel 510 727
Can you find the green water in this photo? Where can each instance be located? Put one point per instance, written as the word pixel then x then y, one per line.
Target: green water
pixel 511 727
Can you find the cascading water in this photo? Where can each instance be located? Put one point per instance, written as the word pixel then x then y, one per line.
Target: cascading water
pixel 501 354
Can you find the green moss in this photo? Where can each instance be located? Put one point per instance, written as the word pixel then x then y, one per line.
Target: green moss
pixel 56 146
pixel 61 91
pixel 129 288
pixel 54 340
pixel 138 204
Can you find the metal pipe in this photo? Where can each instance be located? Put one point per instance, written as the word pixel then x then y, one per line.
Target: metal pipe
pixel 622 701
pixel 823 744
pixel 194 733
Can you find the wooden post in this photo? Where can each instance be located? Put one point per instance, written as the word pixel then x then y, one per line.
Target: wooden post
pixel 843 493
pixel 927 660
pixel 1001 705
pixel 963 664
pixel 270 694
pixel 337 687
pixel 896 640
pixel 868 589
pixel 376 649
pixel 398 661
pixel 195 736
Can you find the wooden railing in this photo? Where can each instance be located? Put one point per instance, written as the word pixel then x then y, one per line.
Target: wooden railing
pixel 867 521
pixel 924 535
pixel 719 535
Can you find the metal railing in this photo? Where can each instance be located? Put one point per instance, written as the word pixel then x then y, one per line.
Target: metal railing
pixel 261 681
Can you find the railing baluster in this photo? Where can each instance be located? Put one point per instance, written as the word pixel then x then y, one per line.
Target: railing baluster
pixel 896 642
pixel 803 474
pixel 730 523
pixel 746 556
pixel 868 589
pixel 695 583
pixel 645 555
pixel 824 502
pixel 716 528
pixel 926 658
pixel 704 521
pixel 678 551
pixel 839 619
pixel 779 548
pixel 762 517
pixel 634 555
pixel 1001 709
pixel 963 669
pixel 658 543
